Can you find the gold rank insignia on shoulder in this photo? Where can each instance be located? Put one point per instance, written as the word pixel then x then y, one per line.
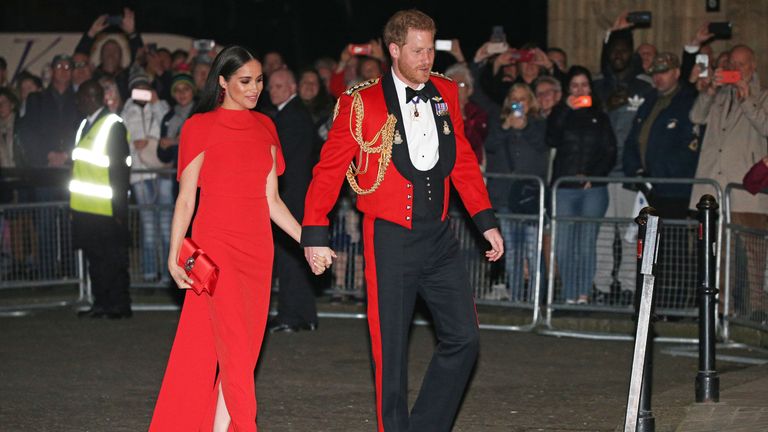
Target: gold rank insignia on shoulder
pixel 438 74
pixel 360 86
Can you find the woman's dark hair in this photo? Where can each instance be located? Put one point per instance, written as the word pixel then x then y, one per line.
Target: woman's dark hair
pixel 575 71
pixel 226 63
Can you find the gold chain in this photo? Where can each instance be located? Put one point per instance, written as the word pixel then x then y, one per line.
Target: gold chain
pixel 387 133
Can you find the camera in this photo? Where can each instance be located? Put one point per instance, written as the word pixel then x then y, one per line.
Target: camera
pixel 115 20
pixel 722 30
pixel 141 95
pixel 703 61
pixel 730 76
pixel 517 109
pixel 523 56
pixel 443 45
pixel 203 45
pixel 498 41
pixel 577 102
pixel 639 17
pixel 360 49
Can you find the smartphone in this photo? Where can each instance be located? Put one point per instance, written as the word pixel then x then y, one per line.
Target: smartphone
pixel 203 45
pixel 360 49
pixel 115 20
pixel 639 17
pixel 522 56
pixel 577 102
pixel 703 61
pixel 141 95
pixel 443 45
pixel 497 47
pixel 517 109
pixel 722 30
pixel 730 76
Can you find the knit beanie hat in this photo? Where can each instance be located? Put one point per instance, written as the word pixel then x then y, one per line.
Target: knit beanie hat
pixel 137 77
pixel 182 78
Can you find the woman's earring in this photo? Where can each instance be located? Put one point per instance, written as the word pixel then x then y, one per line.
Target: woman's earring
pixel 221 95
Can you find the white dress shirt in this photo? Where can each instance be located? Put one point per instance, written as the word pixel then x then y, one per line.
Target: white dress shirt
pixel 421 131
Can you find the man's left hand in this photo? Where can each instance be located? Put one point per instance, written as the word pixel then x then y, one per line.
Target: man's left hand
pixel 493 236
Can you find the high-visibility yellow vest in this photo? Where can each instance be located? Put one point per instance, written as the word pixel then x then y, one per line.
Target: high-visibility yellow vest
pixel 90 191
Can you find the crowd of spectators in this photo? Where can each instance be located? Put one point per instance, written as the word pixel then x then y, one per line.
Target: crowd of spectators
pixel 647 112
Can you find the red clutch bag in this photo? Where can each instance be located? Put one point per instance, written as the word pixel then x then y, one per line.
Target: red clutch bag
pixel 199 267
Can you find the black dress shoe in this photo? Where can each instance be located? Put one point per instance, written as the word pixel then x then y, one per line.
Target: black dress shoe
pixel 91 313
pixel 281 327
pixel 120 315
pixel 310 326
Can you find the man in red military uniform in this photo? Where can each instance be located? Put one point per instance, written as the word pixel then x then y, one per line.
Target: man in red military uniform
pixel 400 141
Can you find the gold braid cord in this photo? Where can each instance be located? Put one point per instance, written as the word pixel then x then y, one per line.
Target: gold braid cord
pixel 387 133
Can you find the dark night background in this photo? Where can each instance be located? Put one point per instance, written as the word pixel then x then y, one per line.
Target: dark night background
pixel 300 29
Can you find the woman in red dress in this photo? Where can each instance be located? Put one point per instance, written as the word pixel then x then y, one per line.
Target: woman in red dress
pixel 233 155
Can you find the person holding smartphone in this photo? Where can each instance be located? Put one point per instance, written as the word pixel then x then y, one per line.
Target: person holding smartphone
pixel 517 144
pixel 586 146
pixel 735 112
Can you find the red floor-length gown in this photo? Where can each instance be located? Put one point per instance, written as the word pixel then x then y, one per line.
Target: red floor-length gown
pixel 232 225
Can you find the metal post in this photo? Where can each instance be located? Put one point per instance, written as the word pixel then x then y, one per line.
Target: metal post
pixel 639 416
pixel 707 380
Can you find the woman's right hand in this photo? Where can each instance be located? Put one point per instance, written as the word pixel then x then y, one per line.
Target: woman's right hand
pixel 179 276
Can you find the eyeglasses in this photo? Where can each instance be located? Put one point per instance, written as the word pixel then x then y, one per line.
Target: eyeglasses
pixel 462 84
pixel 65 66
pixel 80 65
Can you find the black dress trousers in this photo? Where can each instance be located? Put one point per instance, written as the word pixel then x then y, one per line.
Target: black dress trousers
pixel 423 261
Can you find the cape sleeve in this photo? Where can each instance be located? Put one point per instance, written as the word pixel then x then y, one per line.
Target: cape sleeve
pixel 270 126
pixel 192 142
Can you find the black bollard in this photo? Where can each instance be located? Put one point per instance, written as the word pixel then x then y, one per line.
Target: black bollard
pixel 645 420
pixel 707 380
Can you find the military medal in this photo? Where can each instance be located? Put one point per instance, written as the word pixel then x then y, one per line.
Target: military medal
pixel 441 108
pixel 398 139
pixel 446 129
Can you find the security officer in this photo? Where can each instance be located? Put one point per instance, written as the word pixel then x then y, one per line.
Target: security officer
pixel 406 134
pixel 99 202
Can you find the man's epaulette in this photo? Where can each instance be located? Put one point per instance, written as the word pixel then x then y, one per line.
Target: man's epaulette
pixel 363 85
pixel 438 74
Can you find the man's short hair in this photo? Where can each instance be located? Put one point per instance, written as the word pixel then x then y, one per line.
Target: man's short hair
pixel 546 79
pixel 398 25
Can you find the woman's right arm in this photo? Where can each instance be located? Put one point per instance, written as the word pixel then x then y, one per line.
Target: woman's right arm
pixel 185 206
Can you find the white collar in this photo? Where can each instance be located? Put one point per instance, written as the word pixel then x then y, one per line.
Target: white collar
pixel 400 87
pixel 92 117
pixel 282 105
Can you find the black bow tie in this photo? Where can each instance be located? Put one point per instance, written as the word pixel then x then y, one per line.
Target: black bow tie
pixel 411 94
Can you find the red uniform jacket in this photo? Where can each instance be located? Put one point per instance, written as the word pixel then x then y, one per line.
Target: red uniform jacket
pixel 393 200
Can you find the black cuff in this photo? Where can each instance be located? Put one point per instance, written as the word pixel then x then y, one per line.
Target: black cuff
pixel 316 235
pixel 485 220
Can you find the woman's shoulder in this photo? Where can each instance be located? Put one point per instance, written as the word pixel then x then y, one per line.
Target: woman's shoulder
pixel 265 121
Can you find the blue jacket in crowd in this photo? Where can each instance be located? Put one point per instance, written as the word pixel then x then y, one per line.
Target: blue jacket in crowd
pixel 673 143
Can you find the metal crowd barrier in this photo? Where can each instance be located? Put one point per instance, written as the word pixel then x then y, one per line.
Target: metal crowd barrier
pixel 36 252
pixel 745 294
pixel 676 282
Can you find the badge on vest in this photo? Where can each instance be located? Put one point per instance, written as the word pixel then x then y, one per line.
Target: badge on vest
pixel 397 139
pixel 672 124
pixel 446 128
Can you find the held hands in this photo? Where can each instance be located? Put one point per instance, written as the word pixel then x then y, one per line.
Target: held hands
pixel 319 258
pixel 493 236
